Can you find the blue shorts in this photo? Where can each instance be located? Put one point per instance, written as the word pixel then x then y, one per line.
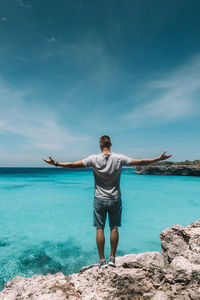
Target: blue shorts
pixel 104 206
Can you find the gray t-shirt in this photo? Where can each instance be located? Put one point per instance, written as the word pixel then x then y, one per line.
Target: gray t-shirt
pixel 107 170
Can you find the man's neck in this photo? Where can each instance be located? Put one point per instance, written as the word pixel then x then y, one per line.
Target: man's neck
pixel 105 150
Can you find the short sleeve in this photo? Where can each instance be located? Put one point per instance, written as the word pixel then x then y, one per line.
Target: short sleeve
pixel 125 160
pixel 88 162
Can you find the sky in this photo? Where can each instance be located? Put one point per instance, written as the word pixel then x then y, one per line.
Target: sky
pixel 71 71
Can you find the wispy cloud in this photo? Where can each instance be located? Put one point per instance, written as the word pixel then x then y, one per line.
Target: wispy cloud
pixel 36 123
pixel 4 19
pixel 83 51
pixel 24 3
pixel 178 94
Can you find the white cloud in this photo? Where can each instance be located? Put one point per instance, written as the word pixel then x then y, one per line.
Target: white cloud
pixel 4 19
pixel 24 3
pixel 177 96
pixel 36 123
pixel 50 40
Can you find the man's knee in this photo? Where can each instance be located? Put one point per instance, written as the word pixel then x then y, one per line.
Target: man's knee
pixel 100 228
pixel 114 229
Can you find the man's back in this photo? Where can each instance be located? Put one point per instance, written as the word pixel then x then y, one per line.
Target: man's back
pixel 107 168
pixel 107 171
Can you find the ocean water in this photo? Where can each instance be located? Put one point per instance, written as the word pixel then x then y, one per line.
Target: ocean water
pixel 46 217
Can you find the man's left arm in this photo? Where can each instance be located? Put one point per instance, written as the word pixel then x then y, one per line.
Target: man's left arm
pixel 147 161
pixel 69 165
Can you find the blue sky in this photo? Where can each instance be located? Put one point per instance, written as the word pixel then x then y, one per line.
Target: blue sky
pixel 71 71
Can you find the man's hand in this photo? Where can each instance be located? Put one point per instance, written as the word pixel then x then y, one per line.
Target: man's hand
pixel 163 156
pixel 50 161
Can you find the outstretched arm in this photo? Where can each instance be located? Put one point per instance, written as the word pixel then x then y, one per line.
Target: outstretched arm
pixel 70 165
pixel 143 162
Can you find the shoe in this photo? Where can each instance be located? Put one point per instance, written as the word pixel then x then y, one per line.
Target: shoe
pixel 102 263
pixel 111 261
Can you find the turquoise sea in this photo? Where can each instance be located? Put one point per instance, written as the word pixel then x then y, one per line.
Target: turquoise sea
pixel 46 217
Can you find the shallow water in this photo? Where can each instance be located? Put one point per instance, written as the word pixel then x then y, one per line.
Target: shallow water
pixel 46 217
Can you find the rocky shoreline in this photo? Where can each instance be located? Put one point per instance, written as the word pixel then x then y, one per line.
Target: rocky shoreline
pixel 172 274
pixel 183 170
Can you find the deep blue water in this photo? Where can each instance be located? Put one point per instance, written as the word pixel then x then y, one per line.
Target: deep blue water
pixel 46 217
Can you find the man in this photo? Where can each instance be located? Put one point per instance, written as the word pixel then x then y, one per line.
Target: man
pixel 107 168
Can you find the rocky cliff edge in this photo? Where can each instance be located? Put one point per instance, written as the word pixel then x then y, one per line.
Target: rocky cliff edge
pixel 173 274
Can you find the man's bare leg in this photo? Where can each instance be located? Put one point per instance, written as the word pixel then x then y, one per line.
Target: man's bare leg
pixel 114 238
pixel 100 238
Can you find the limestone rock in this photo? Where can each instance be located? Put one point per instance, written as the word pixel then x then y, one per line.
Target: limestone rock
pixel 181 246
pixel 40 287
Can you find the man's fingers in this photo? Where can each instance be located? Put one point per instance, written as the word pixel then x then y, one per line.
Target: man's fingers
pixel 47 161
pixel 163 156
pixel 51 159
pixel 166 156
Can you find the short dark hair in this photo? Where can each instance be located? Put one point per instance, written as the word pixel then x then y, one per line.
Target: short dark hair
pixel 105 141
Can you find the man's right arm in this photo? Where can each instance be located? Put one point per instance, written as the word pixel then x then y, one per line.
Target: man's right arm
pixel 147 161
pixel 70 165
